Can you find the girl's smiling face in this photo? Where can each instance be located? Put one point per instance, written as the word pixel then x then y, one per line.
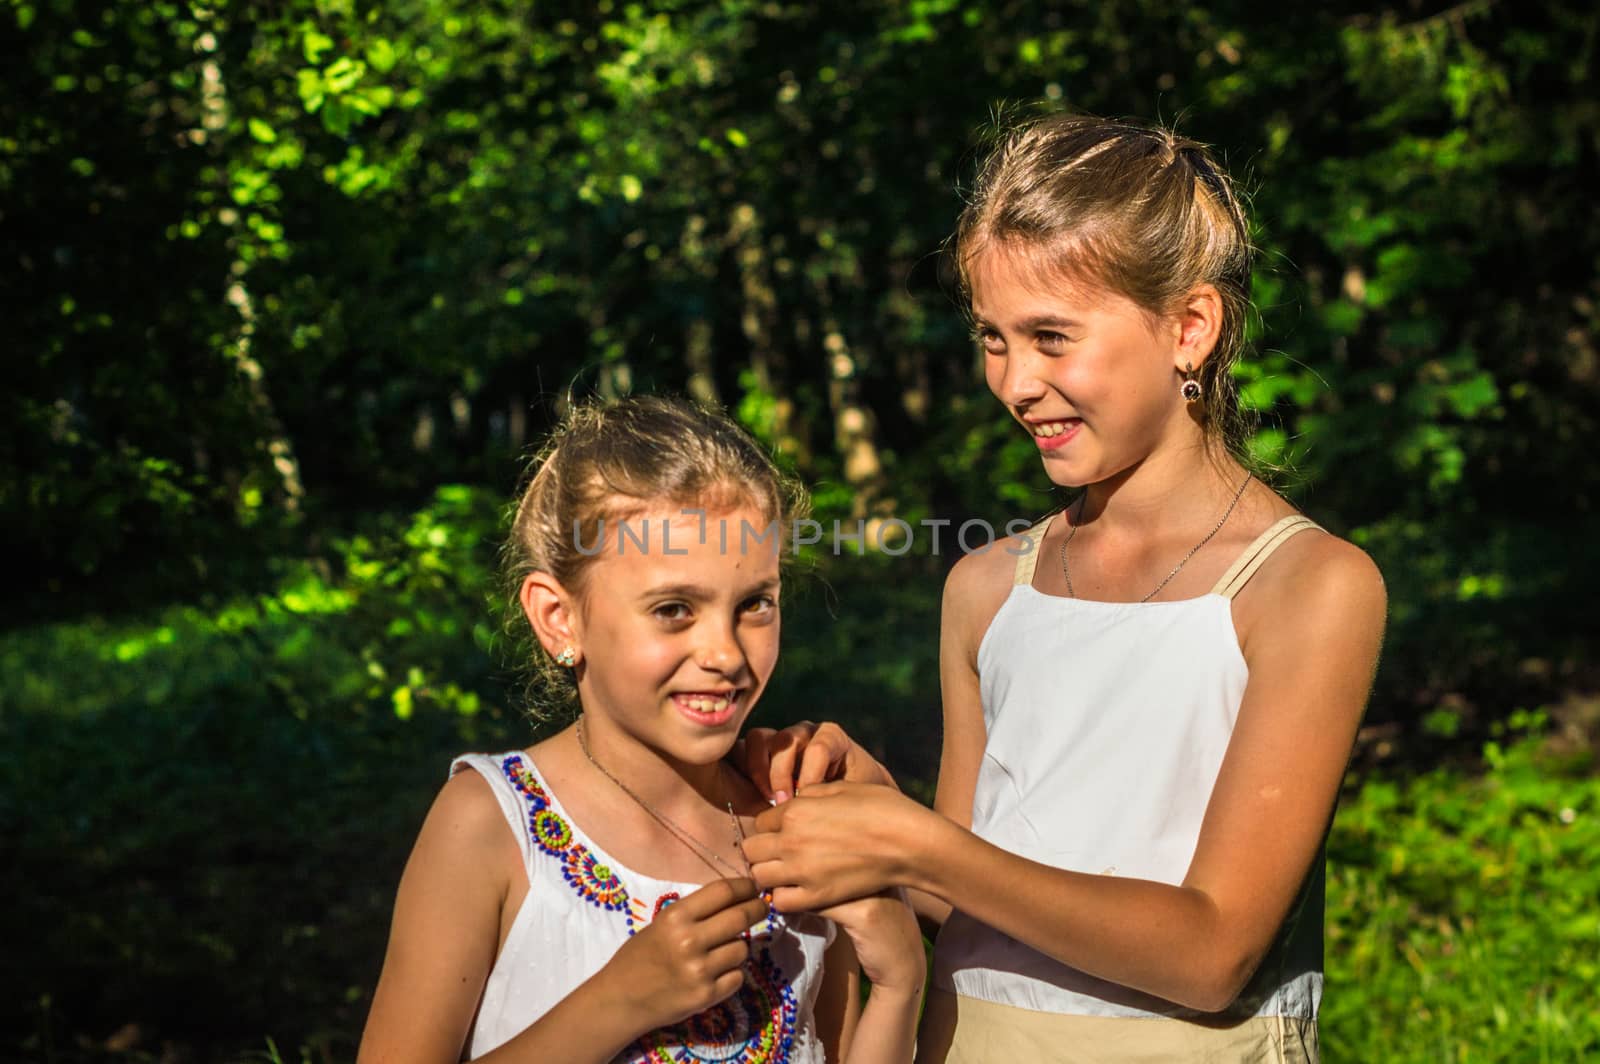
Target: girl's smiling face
pixel 679 635
pixel 1088 372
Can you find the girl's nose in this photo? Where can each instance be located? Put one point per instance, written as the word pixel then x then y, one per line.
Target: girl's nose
pixel 1020 382
pixel 720 652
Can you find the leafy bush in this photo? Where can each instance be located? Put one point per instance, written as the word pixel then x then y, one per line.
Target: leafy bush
pixel 1461 918
pixel 205 812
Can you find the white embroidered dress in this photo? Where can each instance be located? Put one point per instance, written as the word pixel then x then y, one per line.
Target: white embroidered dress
pixel 582 906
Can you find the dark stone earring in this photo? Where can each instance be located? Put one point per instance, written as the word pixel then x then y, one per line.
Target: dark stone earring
pixel 1191 387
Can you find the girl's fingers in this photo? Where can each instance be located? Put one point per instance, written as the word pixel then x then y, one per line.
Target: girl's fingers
pixel 726 924
pixel 772 820
pixel 775 873
pixel 728 983
pixel 790 875
pixel 763 843
pixel 821 754
pixel 715 897
pixel 824 789
pixel 767 822
pixel 733 923
pixel 728 957
pixel 769 874
pixel 784 751
pixel 756 756
pixel 793 900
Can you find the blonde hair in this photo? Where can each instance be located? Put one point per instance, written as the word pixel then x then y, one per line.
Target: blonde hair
pixel 611 459
pixel 1135 209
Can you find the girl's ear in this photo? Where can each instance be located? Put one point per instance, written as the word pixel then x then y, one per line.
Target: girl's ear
pixel 1199 325
pixel 551 610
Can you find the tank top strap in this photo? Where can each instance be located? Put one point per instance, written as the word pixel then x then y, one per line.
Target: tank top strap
pixel 1028 560
pixel 1256 554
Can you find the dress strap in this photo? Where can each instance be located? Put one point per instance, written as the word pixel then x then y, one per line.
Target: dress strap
pixel 1028 560
pixel 1256 554
pixel 498 771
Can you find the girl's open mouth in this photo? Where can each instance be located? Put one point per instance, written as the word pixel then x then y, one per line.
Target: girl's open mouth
pixel 709 708
pixel 1050 435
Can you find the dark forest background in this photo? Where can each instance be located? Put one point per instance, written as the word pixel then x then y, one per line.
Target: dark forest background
pixel 292 287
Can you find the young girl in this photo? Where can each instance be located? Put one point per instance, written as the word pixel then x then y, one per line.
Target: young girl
pixel 1150 696
pixel 586 899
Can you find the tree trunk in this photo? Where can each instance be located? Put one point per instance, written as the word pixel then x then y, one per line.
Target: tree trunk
pixel 758 320
pixel 855 428
pixel 213 120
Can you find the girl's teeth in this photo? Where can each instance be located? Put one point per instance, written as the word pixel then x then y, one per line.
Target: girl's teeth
pixel 708 705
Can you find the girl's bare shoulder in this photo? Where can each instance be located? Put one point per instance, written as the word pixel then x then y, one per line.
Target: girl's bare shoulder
pixel 1314 577
pixel 981 580
pixel 1318 566
pixel 467 822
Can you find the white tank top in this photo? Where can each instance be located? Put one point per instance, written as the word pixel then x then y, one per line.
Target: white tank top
pixel 1107 724
pixel 582 906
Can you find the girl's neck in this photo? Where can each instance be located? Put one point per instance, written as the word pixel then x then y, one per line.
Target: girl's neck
pixel 661 818
pixel 1163 488
pixel 661 782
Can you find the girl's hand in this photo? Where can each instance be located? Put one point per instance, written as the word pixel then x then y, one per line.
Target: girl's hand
pixel 837 842
pixel 782 762
pixel 887 941
pixel 689 958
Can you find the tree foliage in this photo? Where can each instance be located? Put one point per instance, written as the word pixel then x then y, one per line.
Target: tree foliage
pixel 314 257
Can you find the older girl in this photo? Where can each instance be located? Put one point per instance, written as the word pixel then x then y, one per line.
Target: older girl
pixel 1150 696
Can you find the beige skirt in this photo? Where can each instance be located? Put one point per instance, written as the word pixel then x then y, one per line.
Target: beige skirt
pixel 964 1030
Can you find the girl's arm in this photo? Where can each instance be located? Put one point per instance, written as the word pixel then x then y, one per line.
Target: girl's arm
pixel 446 933
pixel 974 592
pixel 878 934
pixel 1311 653
pixel 838 1005
pixel 445 930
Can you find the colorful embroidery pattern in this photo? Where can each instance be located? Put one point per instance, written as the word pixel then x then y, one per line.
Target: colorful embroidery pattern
pixel 642 913
pixel 550 832
pixel 594 882
pixel 754 1026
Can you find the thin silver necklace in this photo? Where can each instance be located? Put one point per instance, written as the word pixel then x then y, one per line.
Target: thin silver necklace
pixel 695 846
pixel 1073 531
